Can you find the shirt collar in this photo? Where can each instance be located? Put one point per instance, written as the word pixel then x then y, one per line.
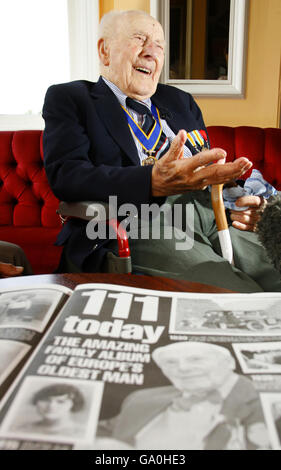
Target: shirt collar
pixel 121 96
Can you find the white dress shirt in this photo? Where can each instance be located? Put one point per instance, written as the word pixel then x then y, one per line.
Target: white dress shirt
pixel 138 118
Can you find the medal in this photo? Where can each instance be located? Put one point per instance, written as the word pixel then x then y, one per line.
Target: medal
pixel 198 140
pixel 149 160
pixel 205 137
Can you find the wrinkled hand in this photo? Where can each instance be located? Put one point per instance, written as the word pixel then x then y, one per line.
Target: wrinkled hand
pixel 173 174
pixel 9 270
pixel 247 219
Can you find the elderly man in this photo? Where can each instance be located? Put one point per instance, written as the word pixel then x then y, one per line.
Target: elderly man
pixel 207 406
pixel 100 140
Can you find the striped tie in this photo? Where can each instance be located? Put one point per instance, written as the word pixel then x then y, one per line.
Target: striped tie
pixel 163 144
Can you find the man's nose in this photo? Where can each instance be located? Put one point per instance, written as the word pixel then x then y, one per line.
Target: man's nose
pixel 150 50
pixel 51 405
pixel 184 364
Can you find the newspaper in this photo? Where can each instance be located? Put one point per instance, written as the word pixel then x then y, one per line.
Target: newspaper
pixel 123 368
pixel 25 315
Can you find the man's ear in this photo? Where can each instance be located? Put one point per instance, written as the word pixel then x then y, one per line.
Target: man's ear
pixel 103 51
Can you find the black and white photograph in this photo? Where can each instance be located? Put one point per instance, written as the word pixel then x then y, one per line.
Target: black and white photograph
pixel 11 354
pixel 202 404
pixel 259 357
pixel 272 409
pixel 140 230
pixel 241 315
pixel 54 409
pixel 30 308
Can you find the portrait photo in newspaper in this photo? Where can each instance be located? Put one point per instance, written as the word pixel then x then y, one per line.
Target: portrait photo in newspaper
pixel 55 409
pixel 30 308
pixel 206 405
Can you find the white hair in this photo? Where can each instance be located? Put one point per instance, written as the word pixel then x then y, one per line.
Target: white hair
pixel 107 26
pixel 191 347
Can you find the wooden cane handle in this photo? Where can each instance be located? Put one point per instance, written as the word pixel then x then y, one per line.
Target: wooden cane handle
pixel 218 207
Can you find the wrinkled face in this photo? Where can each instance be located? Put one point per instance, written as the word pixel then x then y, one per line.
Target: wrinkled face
pixel 133 58
pixel 54 408
pixel 194 372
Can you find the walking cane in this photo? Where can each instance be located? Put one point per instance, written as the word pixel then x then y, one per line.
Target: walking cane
pixel 221 222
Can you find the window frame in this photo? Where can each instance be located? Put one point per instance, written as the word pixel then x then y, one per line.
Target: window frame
pixel 234 86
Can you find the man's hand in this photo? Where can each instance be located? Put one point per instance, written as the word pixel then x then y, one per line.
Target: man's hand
pixel 173 174
pixel 247 219
pixel 9 270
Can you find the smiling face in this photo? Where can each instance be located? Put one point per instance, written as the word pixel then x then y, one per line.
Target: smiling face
pixel 194 372
pixel 132 58
pixel 195 367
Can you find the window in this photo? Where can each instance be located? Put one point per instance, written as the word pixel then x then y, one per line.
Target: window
pixel 206 45
pixel 41 44
pixel 199 35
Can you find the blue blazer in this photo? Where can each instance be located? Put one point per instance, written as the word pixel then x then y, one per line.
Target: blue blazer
pixel 90 154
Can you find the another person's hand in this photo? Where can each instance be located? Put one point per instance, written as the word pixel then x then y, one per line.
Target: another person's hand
pixel 173 174
pixel 9 270
pixel 247 219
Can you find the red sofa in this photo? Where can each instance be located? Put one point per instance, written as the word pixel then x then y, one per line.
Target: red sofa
pixel 28 207
pixel 261 146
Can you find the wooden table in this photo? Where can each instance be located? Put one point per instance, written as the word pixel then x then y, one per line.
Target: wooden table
pixel 146 282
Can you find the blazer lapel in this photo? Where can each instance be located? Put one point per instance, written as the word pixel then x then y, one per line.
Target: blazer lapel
pixel 112 115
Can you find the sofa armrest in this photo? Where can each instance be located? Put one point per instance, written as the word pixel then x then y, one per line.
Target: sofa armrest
pixel 87 210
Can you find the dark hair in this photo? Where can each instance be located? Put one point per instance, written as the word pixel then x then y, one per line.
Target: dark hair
pixel 61 389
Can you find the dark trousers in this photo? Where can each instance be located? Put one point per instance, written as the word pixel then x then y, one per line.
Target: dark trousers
pixel 252 271
pixel 11 253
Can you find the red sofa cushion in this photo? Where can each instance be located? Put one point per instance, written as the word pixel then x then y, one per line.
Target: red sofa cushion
pixel 38 244
pixel 27 205
pixel 261 146
pixel 25 196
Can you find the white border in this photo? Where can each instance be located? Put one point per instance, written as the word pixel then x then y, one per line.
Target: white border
pixel 234 85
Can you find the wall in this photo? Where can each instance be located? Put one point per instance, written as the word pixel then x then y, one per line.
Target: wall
pixel 262 97
pixel 107 5
pixel 261 104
